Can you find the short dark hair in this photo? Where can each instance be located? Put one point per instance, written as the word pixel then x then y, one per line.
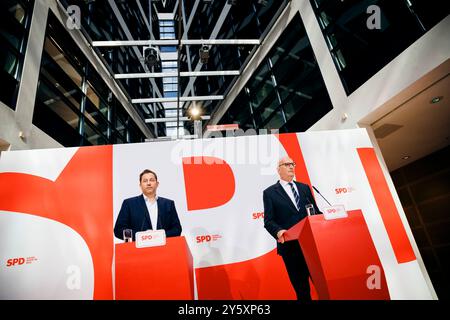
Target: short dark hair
pixel 147 171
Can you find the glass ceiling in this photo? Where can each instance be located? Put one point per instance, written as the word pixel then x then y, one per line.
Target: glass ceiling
pixel 161 84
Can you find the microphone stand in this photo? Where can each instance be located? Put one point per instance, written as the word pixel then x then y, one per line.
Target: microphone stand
pixel 321 195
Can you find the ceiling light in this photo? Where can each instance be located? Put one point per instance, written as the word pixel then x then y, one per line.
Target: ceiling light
pixel 436 99
pixel 151 56
pixel 194 113
pixel 204 54
pixel 406 157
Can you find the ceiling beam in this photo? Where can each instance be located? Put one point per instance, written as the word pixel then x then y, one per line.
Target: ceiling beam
pixel 174 99
pixel 175 74
pixel 173 119
pixel 170 42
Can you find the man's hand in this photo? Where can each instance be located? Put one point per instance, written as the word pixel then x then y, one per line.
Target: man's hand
pixel 280 236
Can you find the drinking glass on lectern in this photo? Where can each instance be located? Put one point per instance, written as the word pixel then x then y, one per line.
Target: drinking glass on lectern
pixel 310 210
pixel 127 235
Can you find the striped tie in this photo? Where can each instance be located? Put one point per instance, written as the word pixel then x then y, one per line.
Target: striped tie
pixel 296 196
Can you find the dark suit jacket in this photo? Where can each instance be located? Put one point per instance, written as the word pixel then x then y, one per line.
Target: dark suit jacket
pixel 134 215
pixel 280 212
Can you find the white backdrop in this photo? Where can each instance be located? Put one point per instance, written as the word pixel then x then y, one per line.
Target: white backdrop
pixel 235 233
pixel 332 163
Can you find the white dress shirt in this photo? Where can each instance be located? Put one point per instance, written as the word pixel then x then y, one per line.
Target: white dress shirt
pixel 152 208
pixel 287 188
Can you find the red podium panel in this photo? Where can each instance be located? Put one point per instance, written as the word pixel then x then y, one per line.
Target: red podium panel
pixel 160 273
pixel 341 257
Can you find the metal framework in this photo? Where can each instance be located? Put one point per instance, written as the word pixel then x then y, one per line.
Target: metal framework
pixel 175 74
pixel 175 99
pixel 123 43
pixel 173 119
pixel 184 21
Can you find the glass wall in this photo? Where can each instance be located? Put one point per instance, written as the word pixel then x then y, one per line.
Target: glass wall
pixel 15 20
pixel 73 104
pixel 359 51
pixel 287 91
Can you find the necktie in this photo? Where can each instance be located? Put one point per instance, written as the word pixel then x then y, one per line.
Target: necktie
pixel 296 196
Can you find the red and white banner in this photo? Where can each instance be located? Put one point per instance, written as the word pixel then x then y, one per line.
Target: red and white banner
pixel 58 208
pixel 55 206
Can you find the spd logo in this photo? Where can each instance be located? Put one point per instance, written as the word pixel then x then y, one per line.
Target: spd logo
pixel 20 261
pixel 146 237
pixel 344 190
pixel 207 238
pixel 15 262
pixel 258 215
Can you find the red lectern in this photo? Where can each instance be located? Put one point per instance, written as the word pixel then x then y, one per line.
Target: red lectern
pixel 341 257
pixel 161 273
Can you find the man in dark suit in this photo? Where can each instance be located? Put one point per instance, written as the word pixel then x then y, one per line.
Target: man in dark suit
pixel 148 211
pixel 284 206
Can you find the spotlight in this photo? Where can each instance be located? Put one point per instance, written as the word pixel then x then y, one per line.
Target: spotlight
pixel 195 113
pixel 436 99
pixel 204 54
pixel 151 56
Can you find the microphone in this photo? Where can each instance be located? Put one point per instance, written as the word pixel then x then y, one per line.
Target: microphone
pixel 321 195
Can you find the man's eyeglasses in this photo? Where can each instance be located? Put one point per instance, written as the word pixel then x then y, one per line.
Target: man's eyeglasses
pixel 288 164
